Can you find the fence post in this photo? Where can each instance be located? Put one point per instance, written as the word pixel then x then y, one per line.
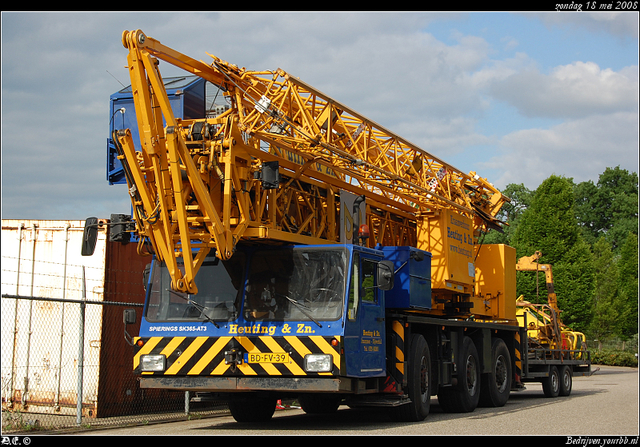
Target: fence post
pixel 83 306
pixel 14 370
pixel 64 295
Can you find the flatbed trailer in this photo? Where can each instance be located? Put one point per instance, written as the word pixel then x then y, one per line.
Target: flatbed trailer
pixel 554 368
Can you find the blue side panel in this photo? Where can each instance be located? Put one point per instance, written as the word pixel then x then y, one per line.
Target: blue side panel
pixel 412 285
pixel 187 96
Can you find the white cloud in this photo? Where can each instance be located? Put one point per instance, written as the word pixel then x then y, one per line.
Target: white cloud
pixel 581 149
pixel 387 66
pixel 620 24
pixel 575 90
pixel 509 43
pixel 497 71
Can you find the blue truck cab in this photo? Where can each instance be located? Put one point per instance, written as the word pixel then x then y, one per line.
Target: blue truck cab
pixel 285 311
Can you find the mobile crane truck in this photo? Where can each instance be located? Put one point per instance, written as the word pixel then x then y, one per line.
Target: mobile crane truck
pixel 302 250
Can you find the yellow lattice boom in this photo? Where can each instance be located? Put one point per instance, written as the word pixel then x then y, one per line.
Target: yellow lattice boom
pixel 196 184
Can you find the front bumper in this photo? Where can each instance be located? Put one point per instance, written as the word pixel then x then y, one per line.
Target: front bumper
pixel 239 384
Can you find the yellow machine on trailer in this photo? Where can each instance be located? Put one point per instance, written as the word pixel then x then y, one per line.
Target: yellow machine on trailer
pixel 555 351
pixel 301 249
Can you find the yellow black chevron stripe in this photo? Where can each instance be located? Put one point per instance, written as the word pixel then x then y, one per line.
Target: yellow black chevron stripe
pixel 518 355
pixel 398 337
pixel 197 356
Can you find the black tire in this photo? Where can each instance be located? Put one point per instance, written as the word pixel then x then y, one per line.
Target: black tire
pixel 463 397
pixel 319 403
pixel 551 384
pixel 566 380
pixel 252 408
pixel 418 385
pixel 496 385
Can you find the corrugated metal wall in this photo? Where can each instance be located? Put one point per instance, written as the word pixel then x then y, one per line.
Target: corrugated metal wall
pixel 40 336
pixel 42 258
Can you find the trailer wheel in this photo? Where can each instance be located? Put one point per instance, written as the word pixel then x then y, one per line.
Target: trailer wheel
pixel 496 385
pixel 252 408
pixel 463 397
pixel 551 384
pixel 418 386
pixel 566 380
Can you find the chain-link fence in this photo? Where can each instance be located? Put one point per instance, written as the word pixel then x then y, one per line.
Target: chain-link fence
pixel 65 360
pixel 57 374
pixel 615 344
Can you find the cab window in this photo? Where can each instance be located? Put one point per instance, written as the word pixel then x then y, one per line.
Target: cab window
pixel 362 284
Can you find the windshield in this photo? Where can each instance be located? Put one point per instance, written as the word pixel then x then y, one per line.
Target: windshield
pixel 296 283
pixel 218 298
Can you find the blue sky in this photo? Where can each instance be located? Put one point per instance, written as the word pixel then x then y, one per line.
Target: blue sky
pixel 515 97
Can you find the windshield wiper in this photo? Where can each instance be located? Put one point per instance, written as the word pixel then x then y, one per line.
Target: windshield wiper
pixel 197 305
pixel 302 308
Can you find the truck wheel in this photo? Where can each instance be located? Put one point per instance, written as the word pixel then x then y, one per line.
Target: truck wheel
pixel 319 404
pixel 418 386
pixel 551 384
pixel 496 385
pixel 252 408
pixel 566 380
pixel 463 397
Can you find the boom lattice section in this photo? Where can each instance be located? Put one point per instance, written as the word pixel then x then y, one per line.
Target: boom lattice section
pixel 199 185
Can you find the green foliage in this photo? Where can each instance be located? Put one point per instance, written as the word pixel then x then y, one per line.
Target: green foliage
pixel 18 421
pixel 606 308
pixel 549 225
pixel 610 208
pixel 614 358
pixel 589 233
pixel 628 287
pixel 574 279
pixel 510 213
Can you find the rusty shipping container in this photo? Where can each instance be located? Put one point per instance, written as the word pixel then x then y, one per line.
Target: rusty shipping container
pixel 40 338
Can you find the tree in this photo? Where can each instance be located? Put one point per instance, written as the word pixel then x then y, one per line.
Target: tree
pixel 628 287
pixel 573 276
pixel 510 213
pixel 606 308
pixel 549 225
pixel 589 217
pixel 610 208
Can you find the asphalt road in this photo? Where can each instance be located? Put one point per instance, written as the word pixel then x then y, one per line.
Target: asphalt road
pixel 604 404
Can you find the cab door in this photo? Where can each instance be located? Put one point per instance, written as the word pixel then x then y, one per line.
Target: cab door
pixel 364 330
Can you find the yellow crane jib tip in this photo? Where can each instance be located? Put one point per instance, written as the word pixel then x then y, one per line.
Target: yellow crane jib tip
pixel 136 37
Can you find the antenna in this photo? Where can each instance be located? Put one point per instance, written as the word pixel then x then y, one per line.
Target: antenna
pixel 123 86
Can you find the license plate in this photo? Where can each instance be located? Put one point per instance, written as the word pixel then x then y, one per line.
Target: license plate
pixel 273 357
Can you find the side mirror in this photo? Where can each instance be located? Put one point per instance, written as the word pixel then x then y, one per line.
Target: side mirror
pixel 385 275
pixel 89 236
pixel 129 316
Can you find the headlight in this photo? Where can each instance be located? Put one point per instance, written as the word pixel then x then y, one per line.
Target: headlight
pixel 317 363
pixel 153 363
